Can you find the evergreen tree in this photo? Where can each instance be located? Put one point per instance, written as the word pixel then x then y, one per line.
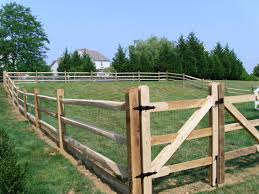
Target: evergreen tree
pixel 76 63
pixel 120 61
pixel 64 62
pixel 87 64
pixel 22 39
pixel 196 57
pixel 216 66
pixel 166 57
pixel 181 52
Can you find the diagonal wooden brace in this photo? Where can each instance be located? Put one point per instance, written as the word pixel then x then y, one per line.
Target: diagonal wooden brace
pixel 183 133
pixel 243 121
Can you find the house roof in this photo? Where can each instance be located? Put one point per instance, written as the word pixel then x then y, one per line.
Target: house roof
pixel 94 55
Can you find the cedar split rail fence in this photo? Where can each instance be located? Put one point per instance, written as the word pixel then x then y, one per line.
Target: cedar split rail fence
pixel 32 77
pixel 141 169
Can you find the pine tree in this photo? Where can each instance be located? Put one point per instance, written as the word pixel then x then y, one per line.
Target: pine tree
pixel 181 51
pixel 87 64
pixel 120 61
pixel 65 62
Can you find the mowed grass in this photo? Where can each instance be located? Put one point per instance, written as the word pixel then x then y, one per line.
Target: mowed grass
pixel 47 171
pixel 161 123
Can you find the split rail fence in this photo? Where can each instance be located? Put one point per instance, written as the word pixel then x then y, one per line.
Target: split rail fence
pixel 141 169
pixel 32 77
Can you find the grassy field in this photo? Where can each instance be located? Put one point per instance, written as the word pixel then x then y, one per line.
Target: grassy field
pixel 47 171
pixel 161 123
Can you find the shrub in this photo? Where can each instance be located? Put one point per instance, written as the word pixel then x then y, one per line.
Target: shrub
pixel 12 176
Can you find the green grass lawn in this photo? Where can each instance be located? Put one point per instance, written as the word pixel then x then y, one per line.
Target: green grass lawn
pixel 47 171
pixel 161 122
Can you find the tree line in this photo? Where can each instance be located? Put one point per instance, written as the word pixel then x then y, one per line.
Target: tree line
pixel 73 62
pixel 187 55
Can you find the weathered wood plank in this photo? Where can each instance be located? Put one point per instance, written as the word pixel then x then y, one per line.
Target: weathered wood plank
pixel 221 137
pixel 44 97
pixel 97 157
pixel 213 143
pixel 166 170
pixel 241 152
pixel 103 132
pixel 145 139
pixel 36 107
pixel 111 105
pixel 61 113
pixel 176 105
pixel 134 141
pixel 240 98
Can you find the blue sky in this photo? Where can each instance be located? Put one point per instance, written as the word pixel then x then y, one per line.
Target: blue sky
pixel 102 25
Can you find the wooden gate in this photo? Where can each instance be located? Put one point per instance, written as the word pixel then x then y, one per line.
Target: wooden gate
pixel 150 169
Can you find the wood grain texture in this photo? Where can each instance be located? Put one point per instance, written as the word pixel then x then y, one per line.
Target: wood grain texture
pixel 134 141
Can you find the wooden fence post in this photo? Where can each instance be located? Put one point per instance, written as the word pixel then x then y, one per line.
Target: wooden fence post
pixel 61 112
pixel 25 105
pixel 36 73
pixel 226 86
pixel 213 140
pixel 183 78
pixel 65 74
pixel 202 84
pixel 91 75
pixel 134 141
pixel 159 75
pixel 37 107
pixel 221 126
pixel 138 75
pixel 167 75
pixel 145 139
pixel 116 76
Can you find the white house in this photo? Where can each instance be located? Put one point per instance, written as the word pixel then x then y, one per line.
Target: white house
pixel 98 58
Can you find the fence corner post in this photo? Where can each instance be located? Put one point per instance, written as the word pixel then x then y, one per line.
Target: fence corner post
pixel 61 112
pixel 221 136
pixel 37 107
pixel 134 141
